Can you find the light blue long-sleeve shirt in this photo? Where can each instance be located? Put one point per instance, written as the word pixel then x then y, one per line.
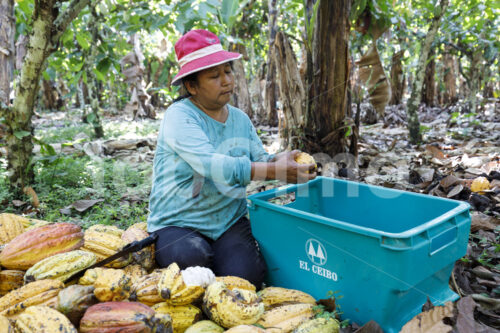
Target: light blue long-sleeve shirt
pixel 201 169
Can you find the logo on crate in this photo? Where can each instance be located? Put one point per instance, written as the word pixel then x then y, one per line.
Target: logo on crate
pixel 316 252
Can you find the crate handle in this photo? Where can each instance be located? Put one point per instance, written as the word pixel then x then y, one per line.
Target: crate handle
pixel 444 239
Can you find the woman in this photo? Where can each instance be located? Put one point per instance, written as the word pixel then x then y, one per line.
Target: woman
pixel 207 152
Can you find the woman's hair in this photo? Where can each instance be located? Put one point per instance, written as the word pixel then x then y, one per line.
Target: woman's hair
pixel 184 92
pixel 190 78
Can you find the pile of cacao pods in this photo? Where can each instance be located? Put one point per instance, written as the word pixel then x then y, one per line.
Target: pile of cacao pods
pixel 130 294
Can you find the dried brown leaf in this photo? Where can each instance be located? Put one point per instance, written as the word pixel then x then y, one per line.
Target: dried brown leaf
pixel 83 205
pixel 465 317
pixel 372 74
pixel 430 321
pixel 482 221
pixel 448 181
pixel 455 191
pixel 436 152
pixel 29 191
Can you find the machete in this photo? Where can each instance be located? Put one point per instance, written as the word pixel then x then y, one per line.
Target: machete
pixel 127 249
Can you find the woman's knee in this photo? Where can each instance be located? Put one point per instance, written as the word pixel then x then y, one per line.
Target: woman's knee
pixel 182 246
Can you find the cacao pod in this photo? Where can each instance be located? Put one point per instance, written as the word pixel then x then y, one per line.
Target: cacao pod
pixel 230 308
pixel 115 317
pixel 11 226
pixel 34 293
pixel 10 280
pixel 204 326
pixel 173 289
pixel 276 296
pixel 104 241
pixel 145 290
pixel 5 326
pixel 232 282
pixel 246 329
pixel 144 257
pixel 37 244
pixel 110 284
pixel 182 316
pixel 42 319
pixel 319 325
pixel 134 272
pixel 60 266
pixel 286 317
pixel 74 300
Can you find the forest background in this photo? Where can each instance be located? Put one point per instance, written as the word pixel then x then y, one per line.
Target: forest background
pixel 403 94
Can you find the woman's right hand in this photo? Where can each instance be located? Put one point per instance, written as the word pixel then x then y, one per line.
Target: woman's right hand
pixel 287 170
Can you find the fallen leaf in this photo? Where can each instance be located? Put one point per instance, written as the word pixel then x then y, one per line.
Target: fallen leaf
pixel 430 321
pixel 449 181
pixel 465 317
pixel 436 152
pixel 328 303
pixel 487 302
pixel 455 191
pixel 18 203
pixel 29 191
pixel 483 221
pixel 83 205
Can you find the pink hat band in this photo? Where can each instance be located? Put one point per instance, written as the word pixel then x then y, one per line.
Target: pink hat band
pixel 198 50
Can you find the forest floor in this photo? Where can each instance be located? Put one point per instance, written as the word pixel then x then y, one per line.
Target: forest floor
pixel 87 181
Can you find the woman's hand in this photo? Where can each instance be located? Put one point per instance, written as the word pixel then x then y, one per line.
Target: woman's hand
pixel 284 168
pixel 290 171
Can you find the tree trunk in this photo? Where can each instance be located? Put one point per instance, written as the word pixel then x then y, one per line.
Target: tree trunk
pixel 475 79
pixel 19 145
pixel 47 28
pixel 397 78
pixel 429 88
pixel 292 92
pixel 449 78
pixel 7 49
pixel 416 92
pixel 90 61
pixel 241 96
pixel 270 91
pixel 50 98
pixel 325 121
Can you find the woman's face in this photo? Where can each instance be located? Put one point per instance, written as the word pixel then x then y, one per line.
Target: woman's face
pixel 214 86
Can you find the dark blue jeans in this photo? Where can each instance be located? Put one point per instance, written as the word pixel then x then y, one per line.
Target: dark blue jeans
pixel 234 253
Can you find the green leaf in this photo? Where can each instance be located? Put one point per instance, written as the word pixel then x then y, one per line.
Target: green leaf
pixel 21 134
pixel 82 40
pixel 103 65
pixel 100 76
pixel 229 8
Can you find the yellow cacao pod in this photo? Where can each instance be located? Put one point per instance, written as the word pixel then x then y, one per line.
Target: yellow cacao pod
pixel 104 242
pixel 276 296
pixel 60 266
pixel 144 257
pixel 204 326
pixel 11 226
pixel 34 293
pixel 42 319
pixel 10 280
pixel 110 284
pixel 5 325
pixel 286 317
pixel 173 290
pixel 232 282
pixel 182 316
pixel 145 290
pixel 230 308
pixel 319 325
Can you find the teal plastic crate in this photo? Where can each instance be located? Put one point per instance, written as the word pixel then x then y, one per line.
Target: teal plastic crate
pixel 385 251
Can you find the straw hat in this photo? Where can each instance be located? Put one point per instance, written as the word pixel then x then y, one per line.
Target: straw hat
pixel 198 50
